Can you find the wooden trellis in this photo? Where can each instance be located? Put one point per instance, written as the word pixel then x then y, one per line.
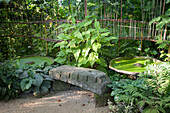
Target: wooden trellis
pixel 118 26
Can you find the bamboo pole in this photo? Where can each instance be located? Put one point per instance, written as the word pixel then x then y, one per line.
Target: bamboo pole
pixel 46 41
pixel 169 53
pixel 141 29
pixel 85 7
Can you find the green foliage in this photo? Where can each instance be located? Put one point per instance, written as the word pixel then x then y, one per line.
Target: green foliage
pixel 122 107
pixel 9 81
pixel 82 43
pixel 35 79
pixel 150 91
pixel 14 80
pixel 163 20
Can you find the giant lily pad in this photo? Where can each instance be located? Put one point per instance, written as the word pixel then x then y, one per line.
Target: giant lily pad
pixel 34 60
pixel 131 66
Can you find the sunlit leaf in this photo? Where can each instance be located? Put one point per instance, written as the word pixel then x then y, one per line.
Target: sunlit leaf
pixel 96 46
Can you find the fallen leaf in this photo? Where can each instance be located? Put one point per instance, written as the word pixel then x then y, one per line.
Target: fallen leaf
pixel 83 104
pixel 60 105
pixel 58 100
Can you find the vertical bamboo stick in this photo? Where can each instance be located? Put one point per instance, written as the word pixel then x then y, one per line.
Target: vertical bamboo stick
pixel 141 28
pixel 121 19
pixel 135 29
pixel 46 38
pixel 169 53
pixel 104 13
pixel 85 7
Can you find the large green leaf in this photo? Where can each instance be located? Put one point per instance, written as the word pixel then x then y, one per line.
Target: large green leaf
pixel 63 25
pixel 81 24
pixel 68 28
pixel 107 39
pixel 26 84
pixel 103 30
pixel 88 23
pixel 85 51
pixel 82 61
pixel 78 35
pixel 86 34
pixel 93 56
pixel 96 46
pixel 97 24
pixel 155 19
pixel 160 25
pixel 93 38
pixel 60 44
pixel 72 42
pixel 105 34
pixel 60 60
pixel 61 54
pixel 167 12
pixel 24 75
pixel 63 36
pixel 38 80
pixel 167 1
pixel 76 53
pixel 102 62
pixel 166 19
pixel 73 20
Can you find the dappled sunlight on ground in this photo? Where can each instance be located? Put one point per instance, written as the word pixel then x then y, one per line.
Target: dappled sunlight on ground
pixel 72 101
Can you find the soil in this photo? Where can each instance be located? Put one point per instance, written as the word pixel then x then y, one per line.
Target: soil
pixel 72 101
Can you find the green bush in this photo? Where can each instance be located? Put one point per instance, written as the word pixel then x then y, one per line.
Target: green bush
pixel 14 80
pixel 9 81
pixel 83 43
pixel 150 91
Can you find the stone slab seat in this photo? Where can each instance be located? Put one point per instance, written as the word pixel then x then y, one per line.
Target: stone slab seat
pixel 89 79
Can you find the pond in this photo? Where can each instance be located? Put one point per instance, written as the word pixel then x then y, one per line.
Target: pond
pixel 132 66
pixel 34 60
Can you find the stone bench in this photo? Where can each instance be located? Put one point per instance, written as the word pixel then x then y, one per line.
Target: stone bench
pixel 89 79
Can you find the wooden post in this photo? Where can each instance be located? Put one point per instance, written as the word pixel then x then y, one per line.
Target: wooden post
pixel 141 29
pixel 169 53
pixel 121 19
pixel 85 7
pixel 46 41
pixel 31 40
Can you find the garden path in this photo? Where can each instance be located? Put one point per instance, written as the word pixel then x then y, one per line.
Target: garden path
pixel 75 100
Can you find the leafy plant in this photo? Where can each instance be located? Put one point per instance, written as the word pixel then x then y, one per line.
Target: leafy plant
pixel 14 80
pixel 122 107
pixel 150 91
pixel 35 79
pixel 9 81
pixel 82 43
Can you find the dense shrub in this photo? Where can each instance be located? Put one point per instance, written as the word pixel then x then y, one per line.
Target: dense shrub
pixel 9 81
pixel 29 79
pixel 84 43
pixel 150 92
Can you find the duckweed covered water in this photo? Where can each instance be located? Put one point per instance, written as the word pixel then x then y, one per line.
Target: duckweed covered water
pixel 37 59
pixel 128 64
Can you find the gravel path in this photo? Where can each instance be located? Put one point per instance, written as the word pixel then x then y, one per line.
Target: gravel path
pixel 72 101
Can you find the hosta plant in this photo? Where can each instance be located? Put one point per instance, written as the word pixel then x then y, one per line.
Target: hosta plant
pixel 9 81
